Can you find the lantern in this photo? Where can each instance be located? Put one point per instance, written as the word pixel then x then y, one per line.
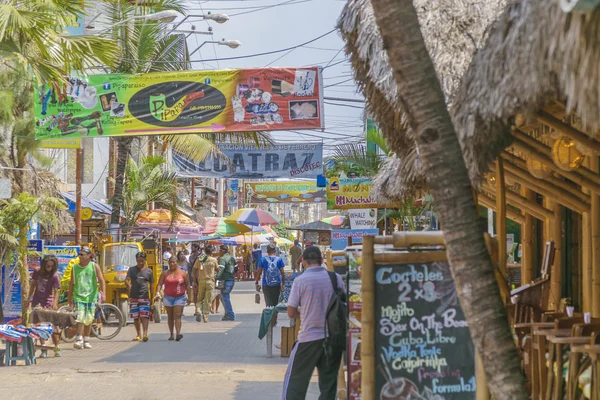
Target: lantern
pixel 537 168
pixel 565 155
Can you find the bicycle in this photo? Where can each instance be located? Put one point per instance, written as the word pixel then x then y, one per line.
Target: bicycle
pixel 108 321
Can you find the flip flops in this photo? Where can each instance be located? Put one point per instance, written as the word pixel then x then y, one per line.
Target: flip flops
pixel 145 339
pixel 178 338
pixel 137 339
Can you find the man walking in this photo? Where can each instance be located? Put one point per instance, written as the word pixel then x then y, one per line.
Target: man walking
pixel 310 295
pixel 226 274
pixel 295 252
pixel 139 282
pixel 86 276
pixel 192 261
pixel 273 278
pixel 205 283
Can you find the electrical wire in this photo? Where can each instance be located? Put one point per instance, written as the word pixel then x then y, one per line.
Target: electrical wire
pixel 285 3
pixel 238 57
pixel 338 83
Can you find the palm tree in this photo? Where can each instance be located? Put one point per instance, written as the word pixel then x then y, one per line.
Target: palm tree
pixel 32 45
pixel 152 180
pixel 357 158
pixel 145 48
pixel 421 94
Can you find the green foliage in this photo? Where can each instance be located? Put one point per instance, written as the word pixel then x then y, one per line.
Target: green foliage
pixel 32 36
pixel 356 158
pixel 152 180
pixel 281 230
pixel 408 212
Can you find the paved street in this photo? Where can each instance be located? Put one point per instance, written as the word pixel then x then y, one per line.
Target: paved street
pixel 218 360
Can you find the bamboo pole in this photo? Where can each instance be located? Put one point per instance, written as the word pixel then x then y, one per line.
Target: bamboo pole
pixel 595 242
pixel 482 392
pixel 586 257
pixel 527 241
pixel 367 349
pixel 519 166
pixel 556 276
pixel 567 130
pixel 501 216
pixel 524 204
pixel 547 189
pixel 78 181
pixel 581 176
pixel 563 198
pixel 491 204
pixel 403 240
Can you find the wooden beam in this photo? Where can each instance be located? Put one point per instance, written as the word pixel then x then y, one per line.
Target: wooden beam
pixel 527 240
pixel 565 186
pixel 490 203
pixel 367 348
pixel 586 257
pixel 501 216
pixel 542 188
pixel 556 277
pixel 595 242
pixel 524 204
pixel 582 176
pixel 567 130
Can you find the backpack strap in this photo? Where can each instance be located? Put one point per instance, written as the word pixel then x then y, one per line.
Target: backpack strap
pixel 333 278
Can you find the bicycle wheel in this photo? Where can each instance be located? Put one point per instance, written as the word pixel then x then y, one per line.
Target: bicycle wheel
pixel 68 335
pixel 108 321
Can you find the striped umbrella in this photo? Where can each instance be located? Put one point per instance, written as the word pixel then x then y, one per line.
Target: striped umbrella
pixel 336 220
pixel 253 217
pixel 219 226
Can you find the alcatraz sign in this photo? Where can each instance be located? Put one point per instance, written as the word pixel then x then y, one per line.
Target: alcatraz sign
pixel 290 160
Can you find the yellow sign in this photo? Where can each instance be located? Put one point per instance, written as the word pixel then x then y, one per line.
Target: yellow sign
pixel 284 192
pixel 86 213
pixel 72 143
pixel 345 193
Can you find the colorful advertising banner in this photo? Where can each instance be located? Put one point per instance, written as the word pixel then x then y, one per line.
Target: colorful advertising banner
pixel 339 237
pixel 72 143
pixel 232 190
pixel 11 290
pixel 284 192
pixel 64 254
pixel 169 103
pixel 290 160
pixel 348 193
pixel 34 261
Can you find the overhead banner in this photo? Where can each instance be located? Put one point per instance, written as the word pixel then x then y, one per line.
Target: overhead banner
pixel 170 103
pixel 363 218
pixel 284 192
pixel 290 160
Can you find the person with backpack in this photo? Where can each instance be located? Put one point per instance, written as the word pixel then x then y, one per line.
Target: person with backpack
pixel 318 299
pixel 226 274
pixel 273 278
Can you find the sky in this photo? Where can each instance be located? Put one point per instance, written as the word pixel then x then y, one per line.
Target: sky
pixel 270 25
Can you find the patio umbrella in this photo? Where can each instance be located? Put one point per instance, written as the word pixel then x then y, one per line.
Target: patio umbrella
pixel 283 241
pixel 245 239
pixel 219 226
pixel 253 217
pixel 336 220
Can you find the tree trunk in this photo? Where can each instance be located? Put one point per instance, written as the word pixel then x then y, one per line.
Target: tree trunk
pixel 122 156
pixel 449 184
pixel 23 272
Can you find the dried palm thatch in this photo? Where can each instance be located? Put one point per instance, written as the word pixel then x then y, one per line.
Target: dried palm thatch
pixel 536 54
pixel 453 30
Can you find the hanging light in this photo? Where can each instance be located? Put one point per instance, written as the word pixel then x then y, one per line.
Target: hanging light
pixel 537 168
pixel 565 154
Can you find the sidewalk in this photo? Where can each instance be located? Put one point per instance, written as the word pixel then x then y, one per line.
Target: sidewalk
pixel 217 360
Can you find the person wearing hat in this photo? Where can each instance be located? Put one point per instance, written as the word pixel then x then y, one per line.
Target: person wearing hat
pixel 83 295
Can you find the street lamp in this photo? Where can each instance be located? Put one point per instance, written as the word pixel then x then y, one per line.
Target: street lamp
pixel 161 16
pixel 218 18
pixel 233 44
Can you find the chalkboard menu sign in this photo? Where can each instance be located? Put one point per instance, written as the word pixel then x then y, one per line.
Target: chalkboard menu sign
pixel 423 348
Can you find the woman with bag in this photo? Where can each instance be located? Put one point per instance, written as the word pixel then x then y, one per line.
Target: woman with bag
pixel 177 284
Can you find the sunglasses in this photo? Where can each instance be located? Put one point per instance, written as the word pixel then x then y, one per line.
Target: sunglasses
pixel 49 266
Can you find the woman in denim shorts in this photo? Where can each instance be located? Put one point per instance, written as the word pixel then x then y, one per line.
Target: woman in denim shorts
pixel 176 284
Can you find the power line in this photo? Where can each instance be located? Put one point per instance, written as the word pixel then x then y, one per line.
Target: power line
pixel 238 57
pixel 343 105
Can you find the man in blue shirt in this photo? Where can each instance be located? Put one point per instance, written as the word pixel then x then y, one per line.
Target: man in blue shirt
pixel 273 278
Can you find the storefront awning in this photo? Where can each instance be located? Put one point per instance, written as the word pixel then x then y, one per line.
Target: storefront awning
pixel 96 205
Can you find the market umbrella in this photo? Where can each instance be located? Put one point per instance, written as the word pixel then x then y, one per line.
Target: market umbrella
pixel 245 239
pixel 253 217
pixel 219 226
pixel 336 220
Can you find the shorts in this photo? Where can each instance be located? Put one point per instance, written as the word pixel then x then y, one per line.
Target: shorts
pixel 85 312
pixel 139 308
pixel 170 301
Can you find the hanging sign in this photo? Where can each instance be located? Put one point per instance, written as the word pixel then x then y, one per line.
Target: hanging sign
pixel 189 102
pixel 290 160
pixel 339 237
pixel 86 213
pixel 363 218
pixel 232 190
pixel 284 192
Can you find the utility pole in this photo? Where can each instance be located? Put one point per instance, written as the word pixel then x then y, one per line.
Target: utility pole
pixel 221 197
pixel 78 181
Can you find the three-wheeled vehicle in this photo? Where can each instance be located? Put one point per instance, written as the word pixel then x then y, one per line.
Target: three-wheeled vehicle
pixel 115 259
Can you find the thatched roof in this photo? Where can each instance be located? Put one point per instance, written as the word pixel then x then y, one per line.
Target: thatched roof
pixel 453 30
pixel 535 57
